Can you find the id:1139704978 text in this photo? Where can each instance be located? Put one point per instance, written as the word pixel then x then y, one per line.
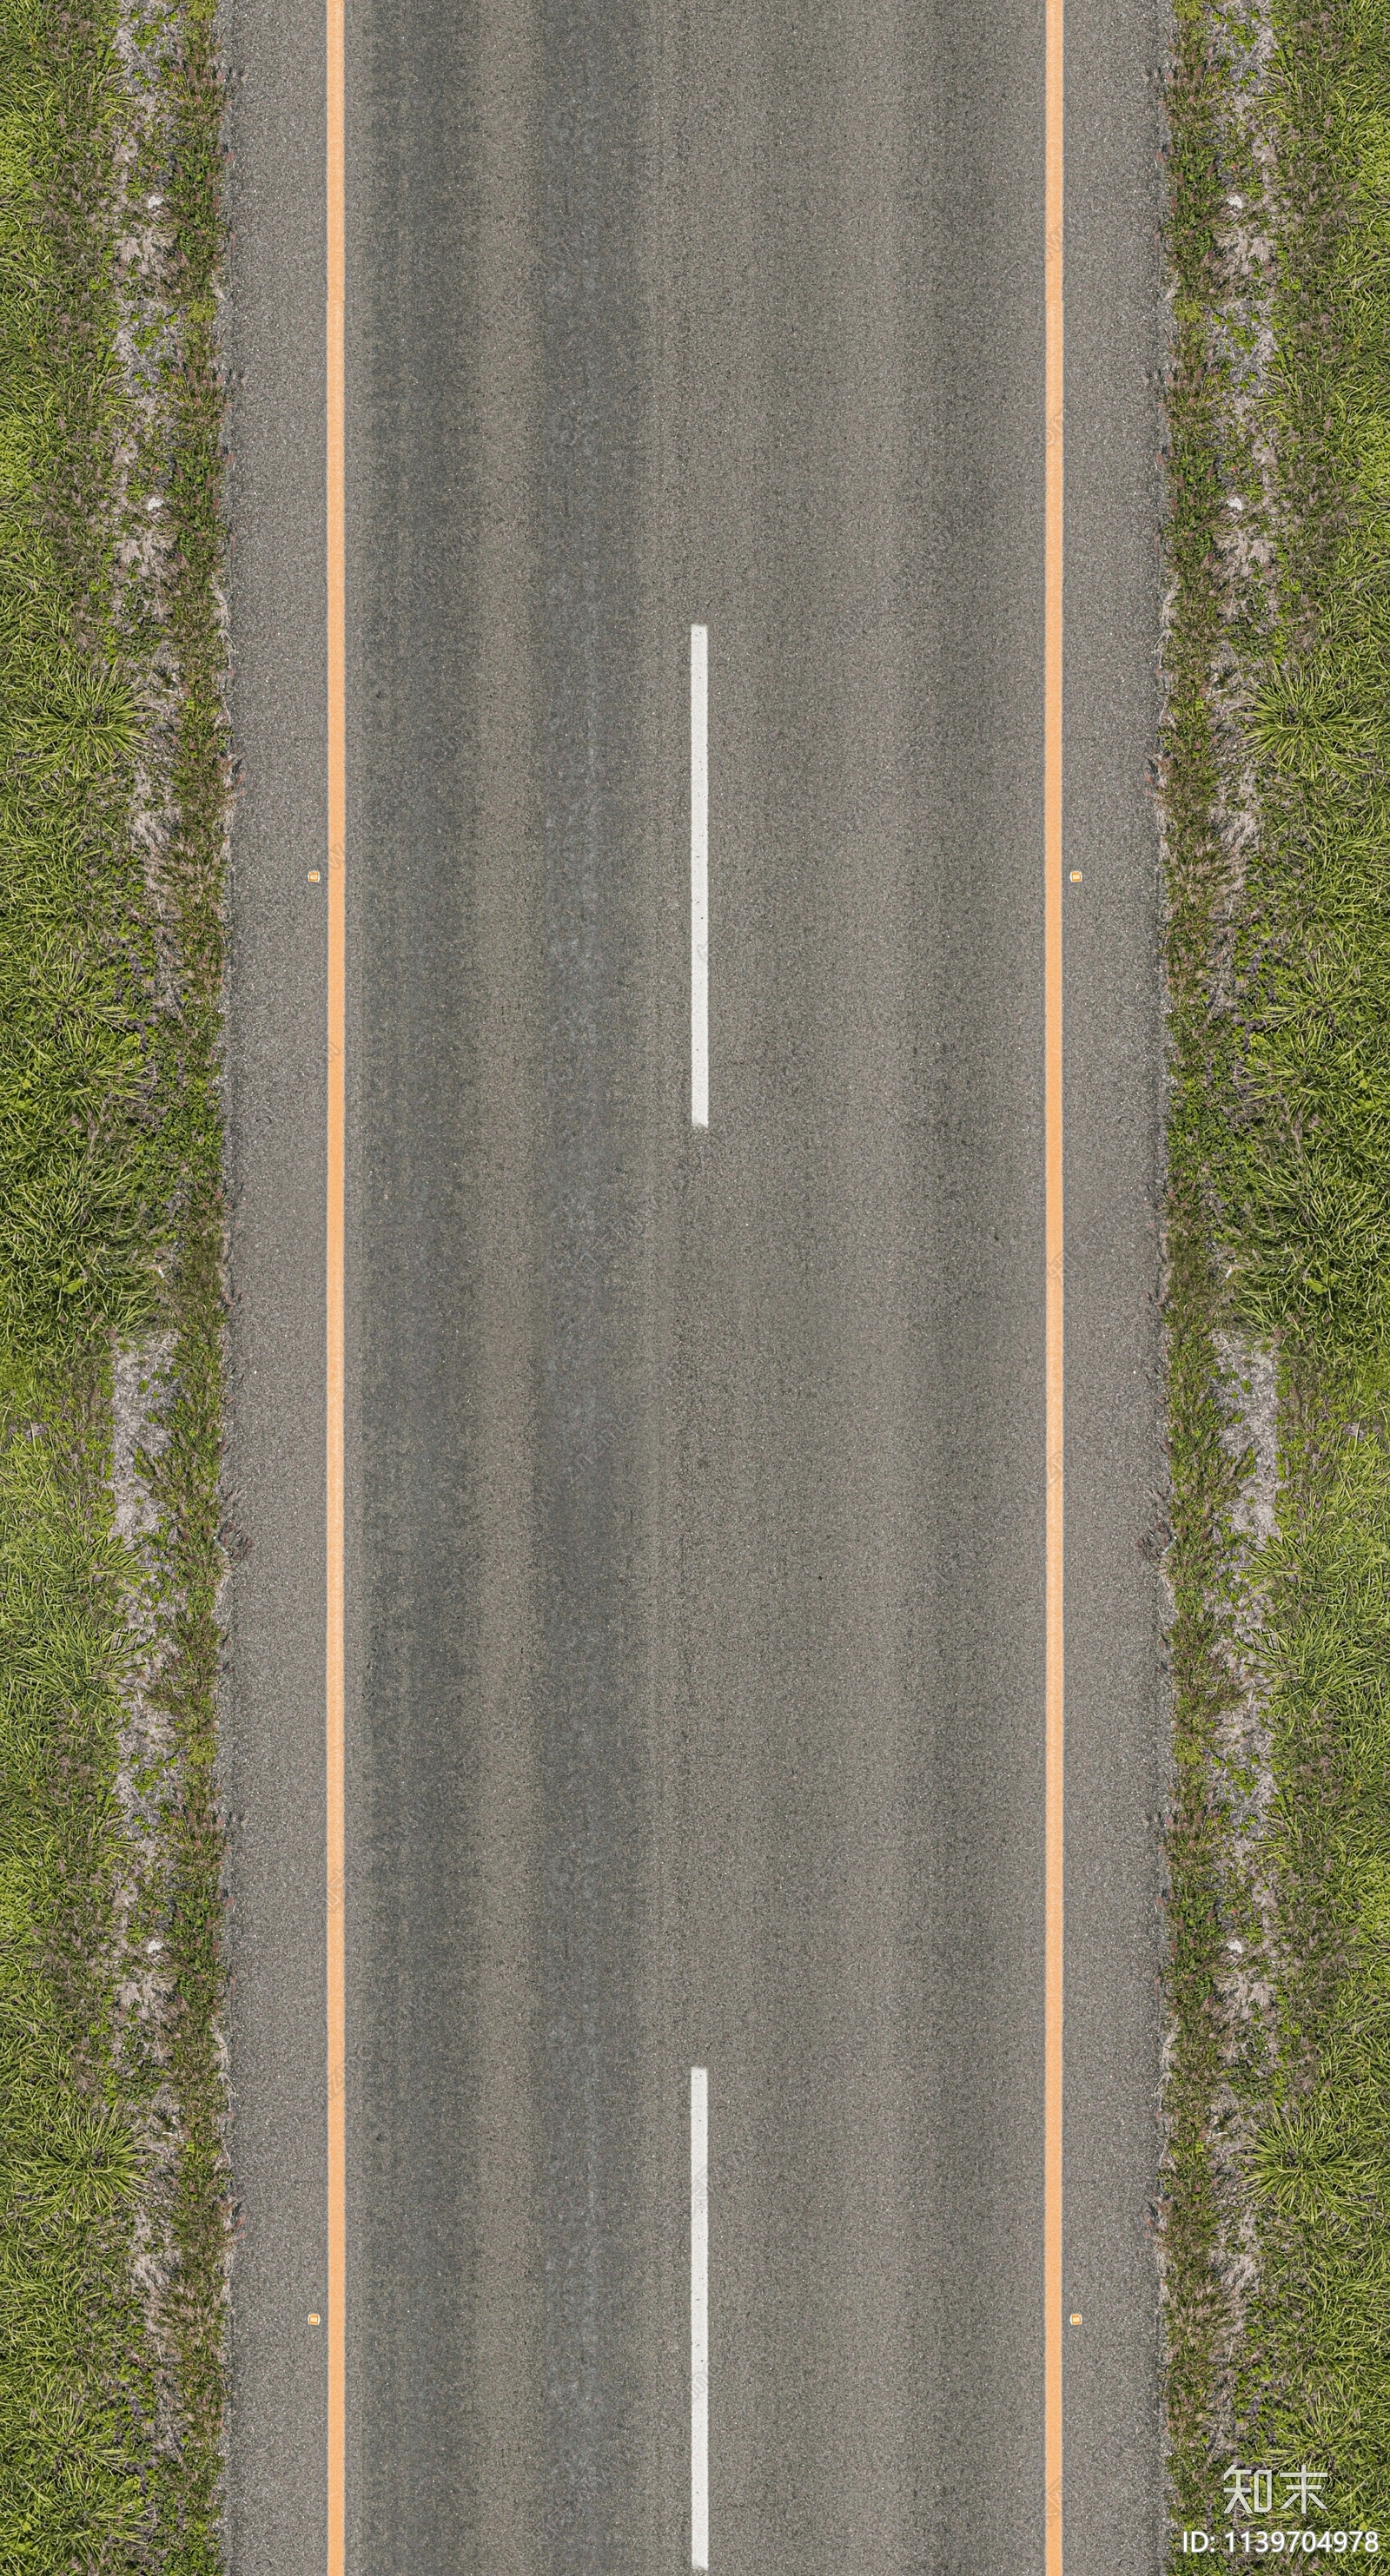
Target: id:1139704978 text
pixel 1249 2543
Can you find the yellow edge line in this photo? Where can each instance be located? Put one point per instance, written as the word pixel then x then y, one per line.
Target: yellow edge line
pixel 333 1660
pixel 1052 843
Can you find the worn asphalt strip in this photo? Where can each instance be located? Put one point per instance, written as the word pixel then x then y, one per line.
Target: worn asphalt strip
pixel 334 1304
pixel 1054 1327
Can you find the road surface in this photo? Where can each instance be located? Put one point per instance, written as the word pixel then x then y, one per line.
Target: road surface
pixel 695 1478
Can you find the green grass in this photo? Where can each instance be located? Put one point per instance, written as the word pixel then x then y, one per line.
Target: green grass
pixel 113 2225
pixel 1276 2226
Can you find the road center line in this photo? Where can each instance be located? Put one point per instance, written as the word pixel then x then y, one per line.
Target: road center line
pixel 334 1857
pixel 699 877
pixel 699 2313
pixel 1053 1330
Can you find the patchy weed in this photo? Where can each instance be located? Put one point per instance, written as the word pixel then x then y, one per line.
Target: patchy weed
pixel 1277 818
pixel 113 2227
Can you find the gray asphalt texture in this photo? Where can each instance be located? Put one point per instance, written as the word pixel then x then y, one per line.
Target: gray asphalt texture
pixel 695 1482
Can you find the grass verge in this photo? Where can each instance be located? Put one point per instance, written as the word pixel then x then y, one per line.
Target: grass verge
pixel 113 784
pixel 1276 2217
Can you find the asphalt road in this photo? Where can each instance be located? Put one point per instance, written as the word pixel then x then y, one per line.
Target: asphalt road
pixel 695 1481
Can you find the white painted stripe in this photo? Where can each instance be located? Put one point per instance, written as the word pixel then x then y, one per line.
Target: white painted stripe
pixel 699 2307
pixel 699 882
